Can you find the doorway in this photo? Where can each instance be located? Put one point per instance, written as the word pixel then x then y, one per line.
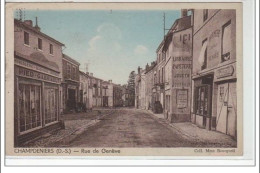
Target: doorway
pixel 226 109
pixel 71 99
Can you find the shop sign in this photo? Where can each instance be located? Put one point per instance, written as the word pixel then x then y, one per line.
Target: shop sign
pixel 182 98
pixel 31 66
pixel 36 75
pixel 225 72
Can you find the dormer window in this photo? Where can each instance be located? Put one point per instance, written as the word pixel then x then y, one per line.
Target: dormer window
pixel 39 43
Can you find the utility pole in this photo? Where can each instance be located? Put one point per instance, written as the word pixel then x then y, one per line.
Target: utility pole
pixel 164 25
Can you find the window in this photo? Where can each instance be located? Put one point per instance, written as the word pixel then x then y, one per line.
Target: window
pixel 39 43
pixel 68 70
pixel 226 42
pixel 205 15
pixel 201 100
pixel 26 38
pixel 51 105
pixel 29 107
pixel 51 49
pixel 204 54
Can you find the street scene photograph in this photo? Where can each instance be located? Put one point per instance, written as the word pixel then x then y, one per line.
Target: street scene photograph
pixel 125 78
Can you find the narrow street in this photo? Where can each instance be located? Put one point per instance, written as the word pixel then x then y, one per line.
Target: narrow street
pixel 132 128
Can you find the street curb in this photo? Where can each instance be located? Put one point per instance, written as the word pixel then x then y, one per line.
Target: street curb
pixel 173 126
pixel 64 141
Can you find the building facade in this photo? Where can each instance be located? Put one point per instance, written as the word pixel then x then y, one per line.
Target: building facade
pixel 38 73
pixel 214 102
pixel 107 94
pixel 70 84
pixel 149 77
pixel 178 52
pixel 96 91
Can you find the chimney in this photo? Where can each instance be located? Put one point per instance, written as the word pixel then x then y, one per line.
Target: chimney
pixel 91 74
pixel 28 22
pixel 36 25
pixel 184 13
pixel 110 81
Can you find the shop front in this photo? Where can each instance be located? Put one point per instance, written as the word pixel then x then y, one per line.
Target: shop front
pixel 36 100
pixel 215 100
pixel 71 94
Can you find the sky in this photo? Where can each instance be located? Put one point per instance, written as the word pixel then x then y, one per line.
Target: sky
pixel 112 43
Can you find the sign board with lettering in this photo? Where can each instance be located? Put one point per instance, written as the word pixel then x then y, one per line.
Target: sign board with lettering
pixel 26 64
pixel 23 72
pixel 182 98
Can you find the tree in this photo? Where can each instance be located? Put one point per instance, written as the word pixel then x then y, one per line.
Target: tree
pixel 131 88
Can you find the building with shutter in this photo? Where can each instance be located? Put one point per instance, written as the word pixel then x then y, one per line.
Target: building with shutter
pixel 214 100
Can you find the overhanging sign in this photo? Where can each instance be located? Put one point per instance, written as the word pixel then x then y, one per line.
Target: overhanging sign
pixel 225 72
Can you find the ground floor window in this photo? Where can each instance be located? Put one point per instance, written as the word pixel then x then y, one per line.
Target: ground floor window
pixel 51 105
pixel 29 107
pixel 202 100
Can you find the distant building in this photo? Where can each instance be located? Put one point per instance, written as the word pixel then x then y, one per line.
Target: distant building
pixel 214 101
pixel 83 91
pixel 107 93
pixel 70 83
pixel 96 91
pixel 117 95
pixel 38 73
pixel 149 81
pixel 140 89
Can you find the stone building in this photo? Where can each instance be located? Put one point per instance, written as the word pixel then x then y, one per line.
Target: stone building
pixel 140 89
pixel 149 77
pixel 158 80
pixel 107 94
pixel 70 84
pixel 96 91
pixel 37 79
pixel 178 54
pixel 214 101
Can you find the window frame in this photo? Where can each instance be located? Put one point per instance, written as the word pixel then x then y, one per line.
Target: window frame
pixel 223 28
pixel 51 49
pixel 39 44
pixel 26 39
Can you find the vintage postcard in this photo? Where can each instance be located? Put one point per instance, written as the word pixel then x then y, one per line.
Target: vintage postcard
pixel 124 79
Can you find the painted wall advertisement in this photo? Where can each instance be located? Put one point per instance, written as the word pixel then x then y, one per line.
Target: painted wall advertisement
pixel 181 69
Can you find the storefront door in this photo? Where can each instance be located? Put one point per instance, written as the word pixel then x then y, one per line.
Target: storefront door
pixel 226 109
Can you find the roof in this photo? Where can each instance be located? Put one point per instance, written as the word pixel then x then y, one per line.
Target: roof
pixel 83 73
pixel 179 24
pixel 70 59
pixel 20 23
